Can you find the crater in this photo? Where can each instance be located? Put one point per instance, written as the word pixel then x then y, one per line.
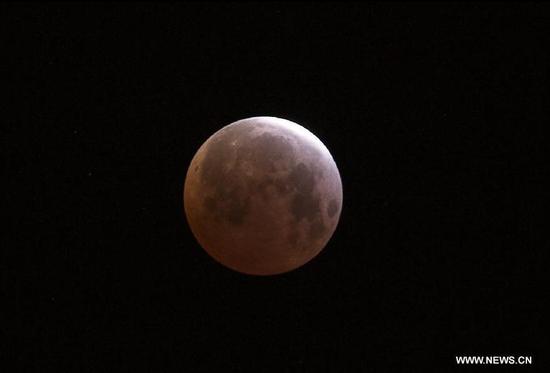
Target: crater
pixel 281 186
pixel 304 204
pixel 238 203
pixel 304 207
pixel 228 204
pixel 214 164
pixel 302 179
pixel 266 152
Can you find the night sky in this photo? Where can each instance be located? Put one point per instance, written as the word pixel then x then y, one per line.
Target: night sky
pixel 434 115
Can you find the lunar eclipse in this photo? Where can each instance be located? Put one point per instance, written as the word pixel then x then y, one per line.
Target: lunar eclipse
pixel 263 196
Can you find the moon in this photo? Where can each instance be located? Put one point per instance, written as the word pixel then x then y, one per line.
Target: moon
pixel 263 196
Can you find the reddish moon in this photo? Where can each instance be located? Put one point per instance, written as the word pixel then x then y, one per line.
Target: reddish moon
pixel 263 196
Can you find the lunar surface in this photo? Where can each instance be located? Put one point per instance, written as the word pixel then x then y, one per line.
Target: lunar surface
pixel 263 196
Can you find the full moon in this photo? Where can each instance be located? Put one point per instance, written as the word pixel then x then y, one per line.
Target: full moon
pixel 263 196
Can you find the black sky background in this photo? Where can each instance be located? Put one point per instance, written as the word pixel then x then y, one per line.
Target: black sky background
pixel 434 115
